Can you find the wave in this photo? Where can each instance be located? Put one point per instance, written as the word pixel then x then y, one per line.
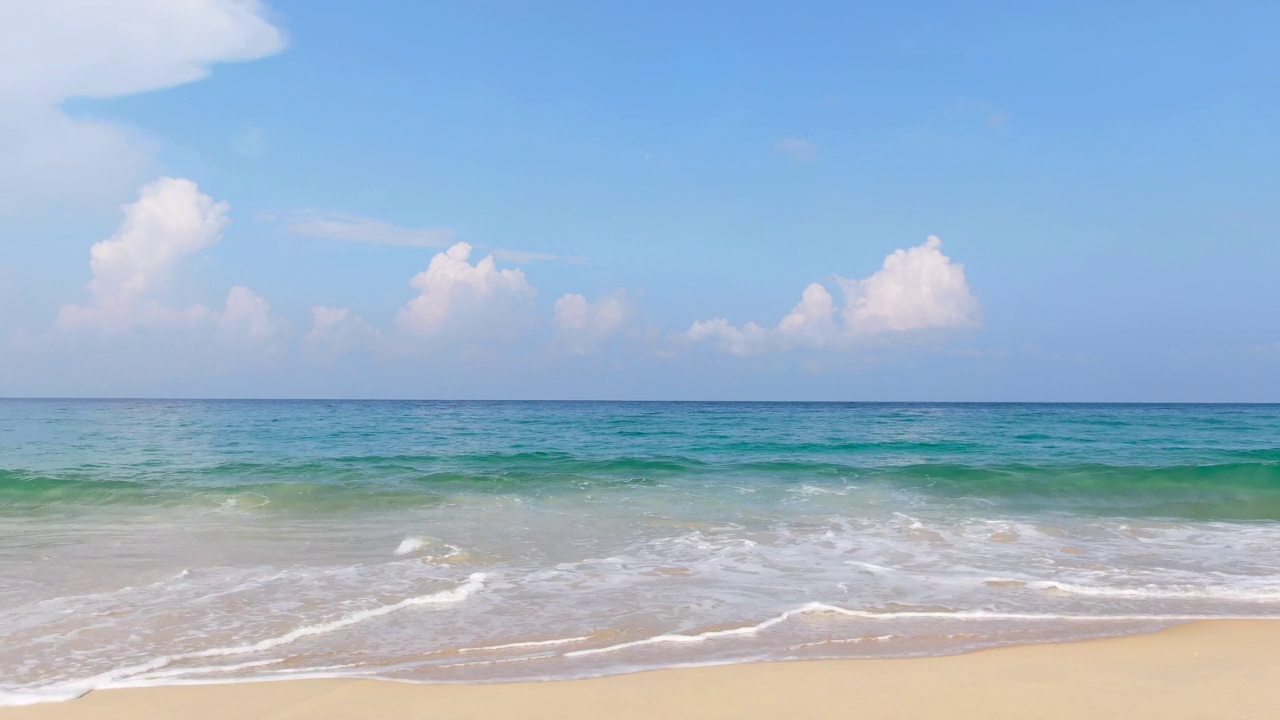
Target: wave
pixel 65 691
pixel 154 673
pixel 1271 594
pixel 526 644
pixel 967 615
pixel 1246 490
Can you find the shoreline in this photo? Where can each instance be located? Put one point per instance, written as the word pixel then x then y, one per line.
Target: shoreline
pixel 1202 669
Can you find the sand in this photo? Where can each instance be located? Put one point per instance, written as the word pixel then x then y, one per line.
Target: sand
pixel 1207 671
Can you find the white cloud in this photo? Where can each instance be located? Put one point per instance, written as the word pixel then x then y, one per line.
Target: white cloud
pixel 54 50
pixel 250 142
pixel 916 289
pixel 334 225
pixel 812 321
pixel 50 156
pixel 521 257
pixel 798 149
pixel 133 271
pixel 746 340
pixel 451 288
pixel 337 331
pixel 247 314
pixel 170 221
pixel 582 326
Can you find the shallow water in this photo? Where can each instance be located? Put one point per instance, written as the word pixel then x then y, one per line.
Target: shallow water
pixel 146 542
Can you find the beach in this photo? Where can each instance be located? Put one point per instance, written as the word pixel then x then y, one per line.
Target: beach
pixel 504 360
pixel 150 544
pixel 1202 671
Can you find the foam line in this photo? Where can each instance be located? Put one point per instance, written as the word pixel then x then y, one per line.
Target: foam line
pixel 209 670
pixel 64 691
pixel 817 607
pixel 532 643
pixel 1163 591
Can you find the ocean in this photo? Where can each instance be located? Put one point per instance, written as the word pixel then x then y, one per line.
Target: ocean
pixel 147 542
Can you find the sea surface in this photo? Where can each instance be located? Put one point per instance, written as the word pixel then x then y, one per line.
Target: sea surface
pixel 153 542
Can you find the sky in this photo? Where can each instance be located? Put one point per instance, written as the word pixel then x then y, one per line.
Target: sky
pixel 922 201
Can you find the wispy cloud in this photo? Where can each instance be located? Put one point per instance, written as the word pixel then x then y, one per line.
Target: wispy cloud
pixel 798 149
pixel 51 52
pixel 992 116
pixel 251 142
pixel 521 256
pixel 334 225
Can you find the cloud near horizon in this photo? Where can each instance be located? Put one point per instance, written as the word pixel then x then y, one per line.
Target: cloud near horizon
pixel 134 271
pixel 138 275
pixel 916 289
pixel 453 290
pixel 582 326
pixel 336 332
pixel 55 50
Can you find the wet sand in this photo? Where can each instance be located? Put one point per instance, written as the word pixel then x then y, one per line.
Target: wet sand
pixel 1203 671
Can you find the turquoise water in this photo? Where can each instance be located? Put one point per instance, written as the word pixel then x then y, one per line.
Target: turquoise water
pixel 144 542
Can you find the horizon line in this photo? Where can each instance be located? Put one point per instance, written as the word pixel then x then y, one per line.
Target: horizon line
pixel 106 398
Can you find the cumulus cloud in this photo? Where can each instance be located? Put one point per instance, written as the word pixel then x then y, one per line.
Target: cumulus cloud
pixel 746 340
pixel 582 326
pixel 916 289
pixel 170 221
pixel 812 321
pixel 247 313
pixel 54 50
pixel 798 149
pixel 451 290
pixel 134 270
pixel 337 331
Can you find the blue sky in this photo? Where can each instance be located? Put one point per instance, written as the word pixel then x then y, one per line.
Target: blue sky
pixel 1103 181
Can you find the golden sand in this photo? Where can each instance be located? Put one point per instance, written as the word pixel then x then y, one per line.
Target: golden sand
pixel 1202 671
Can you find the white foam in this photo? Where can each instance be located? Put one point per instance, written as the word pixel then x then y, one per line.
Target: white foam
pixel 411 545
pixel 474 583
pixel 188 676
pixel 13 698
pixel 845 641
pixel 500 661
pixel 148 678
pixel 73 689
pixel 870 567
pixel 817 607
pixel 912 523
pixel 811 490
pixel 747 631
pixel 1269 594
pixel 529 644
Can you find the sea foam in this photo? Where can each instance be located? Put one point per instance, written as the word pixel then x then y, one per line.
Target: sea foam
pixel 76 688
